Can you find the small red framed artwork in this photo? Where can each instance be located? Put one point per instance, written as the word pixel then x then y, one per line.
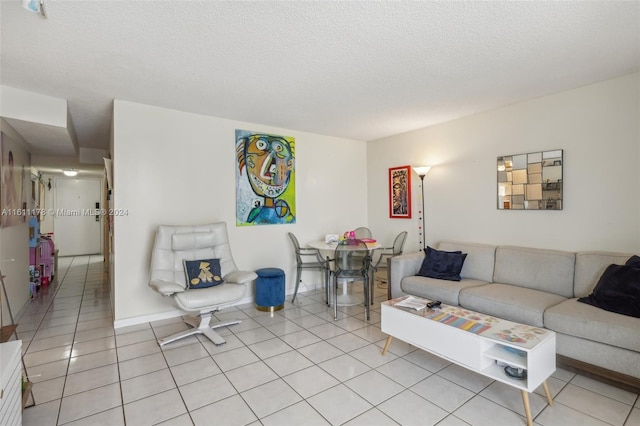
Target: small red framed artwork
pixel 400 192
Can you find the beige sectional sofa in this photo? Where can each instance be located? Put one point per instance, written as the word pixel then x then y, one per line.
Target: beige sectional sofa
pixel 537 287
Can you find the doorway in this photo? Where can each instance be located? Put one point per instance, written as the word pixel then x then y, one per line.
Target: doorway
pixel 77 221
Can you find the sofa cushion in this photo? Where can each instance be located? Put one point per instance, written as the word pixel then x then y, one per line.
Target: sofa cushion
pixel 510 302
pixel 479 262
pixel 589 268
pixel 581 320
pixel 618 290
pixel 550 271
pixel 435 289
pixel 444 265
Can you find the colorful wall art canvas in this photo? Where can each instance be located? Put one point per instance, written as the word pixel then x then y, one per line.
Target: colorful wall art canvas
pixel 265 179
pixel 400 192
pixel 15 170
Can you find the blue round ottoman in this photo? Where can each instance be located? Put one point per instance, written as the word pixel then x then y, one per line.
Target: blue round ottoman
pixel 270 289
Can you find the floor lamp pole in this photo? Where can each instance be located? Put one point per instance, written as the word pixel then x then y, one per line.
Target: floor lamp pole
pixel 424 241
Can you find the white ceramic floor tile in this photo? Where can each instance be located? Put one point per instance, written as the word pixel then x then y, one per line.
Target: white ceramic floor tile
pixel 344 367
pixel 235 358
pixel 481 411
pixel 372 417
pixel 182 420
pixel 194 370
pixel 594 404
pixel 339 404
pixel 269 348
pixel 92 346
pixel 270 397
pixel 374 387
pixel 320 351
pixel 404 372
pixel 300 339
pixel 424 359
pixel 94 360
pixel 112 417
pixel 42 372
pixel 143 365
pixel 206 391
pixel 250 376
pixel 91 379
pixel 371 333
pixel 408 408
pixel 511 398
pixel 347 342
pixel 154 409
pixel 185 353
pixel 561 415
pixel 44 414
pixel 372 355
pixel 137 350
pixel 327 330
pixel 634 418
pixel 288 362
pixel 297 414
pixel 466 378
pixel 233 409
pixel 311 381
pixel 135 337
pixel 48 390
pixel 49 342
pixel 46 356
pixel 283 327
pixel 445 394
pixel 88 403
pixel 146 385
pixel 604 389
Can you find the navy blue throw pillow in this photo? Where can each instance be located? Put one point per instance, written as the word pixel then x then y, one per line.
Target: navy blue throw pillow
pixel 618 289
pixel 202 273
pixel 444 265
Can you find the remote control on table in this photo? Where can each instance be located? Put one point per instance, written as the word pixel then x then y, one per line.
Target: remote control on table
pixel 434 305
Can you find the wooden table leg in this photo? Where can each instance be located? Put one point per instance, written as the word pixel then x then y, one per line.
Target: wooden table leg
pixel 527 407
pixel 386 345
pixel 547 392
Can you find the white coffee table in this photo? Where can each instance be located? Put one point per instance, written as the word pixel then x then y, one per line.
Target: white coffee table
pixel 477 342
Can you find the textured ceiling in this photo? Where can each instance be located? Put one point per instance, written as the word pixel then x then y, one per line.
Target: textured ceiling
pixel 362 70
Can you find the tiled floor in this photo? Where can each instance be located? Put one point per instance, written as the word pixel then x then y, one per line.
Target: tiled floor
pixel 295 367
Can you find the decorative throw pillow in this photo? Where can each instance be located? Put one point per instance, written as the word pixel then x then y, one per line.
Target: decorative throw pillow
pixel 445 265
pixel 202 273
pixel 618 289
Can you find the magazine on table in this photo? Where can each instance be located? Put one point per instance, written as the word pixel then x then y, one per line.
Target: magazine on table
pixel 413 303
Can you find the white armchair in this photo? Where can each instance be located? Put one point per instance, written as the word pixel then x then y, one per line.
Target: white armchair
pixel 173 245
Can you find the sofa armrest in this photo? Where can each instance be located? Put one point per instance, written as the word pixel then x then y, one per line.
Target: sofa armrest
pixel 402 266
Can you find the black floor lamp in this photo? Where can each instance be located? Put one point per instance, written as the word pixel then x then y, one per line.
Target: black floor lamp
pixel 422 172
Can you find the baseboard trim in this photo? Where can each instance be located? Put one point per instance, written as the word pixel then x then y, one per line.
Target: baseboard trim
pixel 613 378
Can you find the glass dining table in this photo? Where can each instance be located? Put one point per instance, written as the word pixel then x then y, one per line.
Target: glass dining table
pixel 327 250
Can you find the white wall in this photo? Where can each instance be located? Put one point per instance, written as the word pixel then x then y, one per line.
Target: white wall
pixel 173 167
pixel 597 126
pixel 14 244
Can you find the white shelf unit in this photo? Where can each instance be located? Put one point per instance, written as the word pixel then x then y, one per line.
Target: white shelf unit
pixel 10 378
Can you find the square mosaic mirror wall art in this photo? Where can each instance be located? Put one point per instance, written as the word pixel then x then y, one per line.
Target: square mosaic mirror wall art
pixel 530 181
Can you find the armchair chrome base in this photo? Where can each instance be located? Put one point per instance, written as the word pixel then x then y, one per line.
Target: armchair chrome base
pixel 200 325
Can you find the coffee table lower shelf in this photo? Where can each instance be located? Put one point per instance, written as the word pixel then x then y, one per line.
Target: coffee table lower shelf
pixel 475 352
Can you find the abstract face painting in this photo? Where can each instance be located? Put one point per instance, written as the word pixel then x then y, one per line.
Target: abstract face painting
pixel 265 179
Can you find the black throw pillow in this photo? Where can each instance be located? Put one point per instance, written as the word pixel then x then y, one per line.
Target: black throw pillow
pixel 444 265
pixel 618 289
